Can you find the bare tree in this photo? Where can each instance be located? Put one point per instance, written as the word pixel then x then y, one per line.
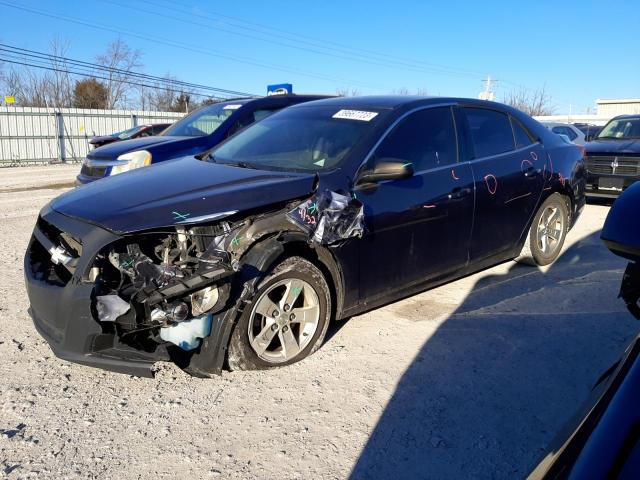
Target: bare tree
pixel 29 89
pixel 59 84
pixel 122 61
pixel 400 91
pixel 32 88
pixel 165 97
pixel 347 92
pixel 532 102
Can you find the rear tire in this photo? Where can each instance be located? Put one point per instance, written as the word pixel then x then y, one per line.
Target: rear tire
pixel 547 233
pixel 286 320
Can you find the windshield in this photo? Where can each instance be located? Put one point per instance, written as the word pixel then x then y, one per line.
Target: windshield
pixel 202 122
pixel 303 139
pixel 622 128
pixel 125 134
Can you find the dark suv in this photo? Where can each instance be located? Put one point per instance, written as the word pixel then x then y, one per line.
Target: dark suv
pixel 613 157
pixel 197 132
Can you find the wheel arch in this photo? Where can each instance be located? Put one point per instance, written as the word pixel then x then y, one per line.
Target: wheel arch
pixel 268 251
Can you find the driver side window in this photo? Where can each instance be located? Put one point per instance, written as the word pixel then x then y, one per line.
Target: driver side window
pixel 426 139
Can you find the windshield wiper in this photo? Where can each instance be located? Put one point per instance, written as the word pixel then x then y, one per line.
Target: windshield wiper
pixel 239 164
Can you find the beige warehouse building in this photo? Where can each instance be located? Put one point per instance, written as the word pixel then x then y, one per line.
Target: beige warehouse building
pixel 618 106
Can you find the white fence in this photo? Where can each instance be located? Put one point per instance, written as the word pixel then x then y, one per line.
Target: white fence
pixel 49 135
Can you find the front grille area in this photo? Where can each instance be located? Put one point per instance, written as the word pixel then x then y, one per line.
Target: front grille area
pixel 88 171
pixel 605 165
pixel 42 266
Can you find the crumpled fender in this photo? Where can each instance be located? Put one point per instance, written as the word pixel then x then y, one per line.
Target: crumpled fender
pixel 209 359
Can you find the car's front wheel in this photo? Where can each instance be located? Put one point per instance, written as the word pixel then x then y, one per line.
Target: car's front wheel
pixel 547 233
pixel 285 321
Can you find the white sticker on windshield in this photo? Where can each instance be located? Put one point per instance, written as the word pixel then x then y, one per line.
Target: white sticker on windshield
pixel 231 107
pixel 356 115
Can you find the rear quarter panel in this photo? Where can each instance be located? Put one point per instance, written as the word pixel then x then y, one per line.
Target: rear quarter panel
pixel 564 171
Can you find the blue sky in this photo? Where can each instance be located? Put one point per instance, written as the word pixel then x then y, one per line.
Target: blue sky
pixel 581 50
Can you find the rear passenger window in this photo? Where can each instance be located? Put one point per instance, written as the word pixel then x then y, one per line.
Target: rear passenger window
pixel 426 138
pixel 523 139
pixel 490 132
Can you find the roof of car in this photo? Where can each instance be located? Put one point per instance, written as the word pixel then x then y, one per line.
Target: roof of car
pixel 630 116
pixel 373 101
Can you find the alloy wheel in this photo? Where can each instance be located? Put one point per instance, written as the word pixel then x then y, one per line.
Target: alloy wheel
pixel 283 320
pixel 550 230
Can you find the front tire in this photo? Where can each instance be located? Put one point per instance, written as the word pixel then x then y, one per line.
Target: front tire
pixel 547 232
pixel 286 320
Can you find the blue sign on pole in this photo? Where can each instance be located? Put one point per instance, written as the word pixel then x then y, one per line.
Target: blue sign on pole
pixel 279 89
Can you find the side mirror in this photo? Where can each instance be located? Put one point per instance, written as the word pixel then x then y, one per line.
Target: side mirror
pixel 387 169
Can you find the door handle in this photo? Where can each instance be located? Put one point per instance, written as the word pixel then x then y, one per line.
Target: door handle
pixel 459 193
pixel 531 172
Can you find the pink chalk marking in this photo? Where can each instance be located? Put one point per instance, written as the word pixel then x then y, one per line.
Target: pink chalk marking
pixel 525 161
pixel 429 206
pixel 534 155
pixel 491 190
pixel 453 174
pixel 562 179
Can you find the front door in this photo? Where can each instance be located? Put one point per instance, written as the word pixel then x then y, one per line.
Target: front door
pixel 417 228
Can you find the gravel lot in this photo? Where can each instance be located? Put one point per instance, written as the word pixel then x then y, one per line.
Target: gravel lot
pixel 469 380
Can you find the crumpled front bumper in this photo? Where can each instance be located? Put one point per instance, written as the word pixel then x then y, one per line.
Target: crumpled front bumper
pixel 61 307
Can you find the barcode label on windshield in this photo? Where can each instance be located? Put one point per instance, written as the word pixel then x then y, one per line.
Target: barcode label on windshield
pixel 355 115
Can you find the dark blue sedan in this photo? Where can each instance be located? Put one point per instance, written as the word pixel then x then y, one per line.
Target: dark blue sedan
pixel 202 129
pixel 321 211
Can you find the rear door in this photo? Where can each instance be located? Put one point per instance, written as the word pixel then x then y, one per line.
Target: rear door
pixel 508 169
pixel 417 228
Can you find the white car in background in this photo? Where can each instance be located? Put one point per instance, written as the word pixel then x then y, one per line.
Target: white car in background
pixel 573 133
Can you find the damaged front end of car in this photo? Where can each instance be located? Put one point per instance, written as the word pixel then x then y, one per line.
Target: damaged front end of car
pixel 125 301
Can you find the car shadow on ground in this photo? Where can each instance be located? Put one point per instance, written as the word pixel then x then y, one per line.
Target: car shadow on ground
pixel 491 387
pixel 604 201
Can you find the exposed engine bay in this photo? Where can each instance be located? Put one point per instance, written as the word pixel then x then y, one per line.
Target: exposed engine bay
pixel 164 286
pixel 155 287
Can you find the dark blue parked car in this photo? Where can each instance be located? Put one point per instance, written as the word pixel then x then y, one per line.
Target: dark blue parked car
pixel 603 442
pixel 613 157
pixel 318 212
pixel 202 129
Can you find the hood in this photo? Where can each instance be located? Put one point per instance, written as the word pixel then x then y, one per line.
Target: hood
pixel 114 150
pixel 628 146
pixel 178 192
pixel 101 140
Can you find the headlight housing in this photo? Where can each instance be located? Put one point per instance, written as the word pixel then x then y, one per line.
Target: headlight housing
pixel 131 161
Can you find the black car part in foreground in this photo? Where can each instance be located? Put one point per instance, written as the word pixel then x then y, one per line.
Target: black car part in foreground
pixel 318 212
pixel 604 442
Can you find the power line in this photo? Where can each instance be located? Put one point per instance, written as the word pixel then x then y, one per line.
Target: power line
pixel 320 43
pixel 12 60
pixel 35 55
pixel 188 47
pixel 342 54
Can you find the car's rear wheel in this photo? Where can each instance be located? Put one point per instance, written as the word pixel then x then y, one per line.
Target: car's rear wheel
pixel 285 321
pixel 547 232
